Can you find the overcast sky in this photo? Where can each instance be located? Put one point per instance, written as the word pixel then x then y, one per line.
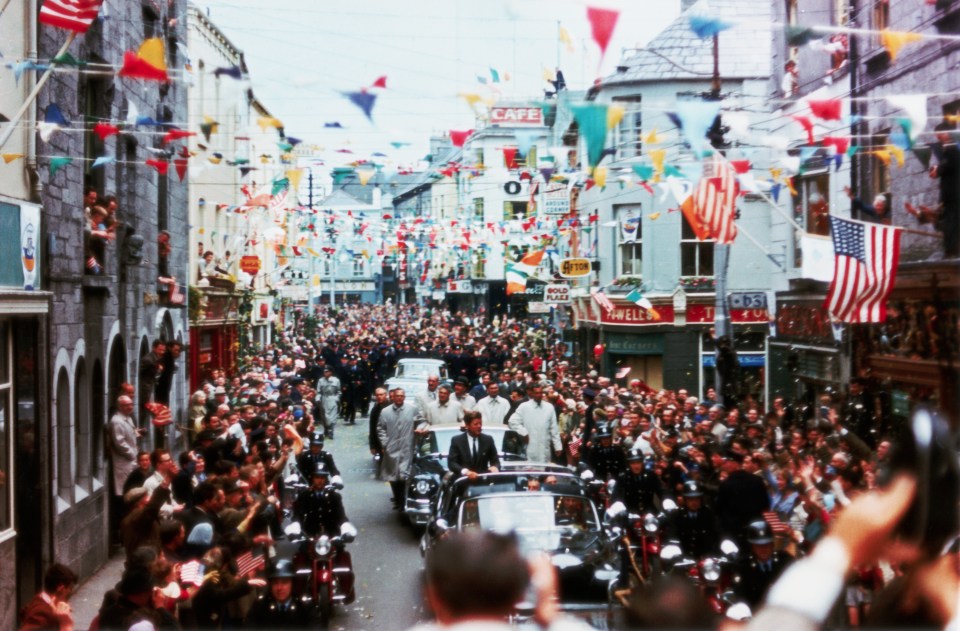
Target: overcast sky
pixel 303 53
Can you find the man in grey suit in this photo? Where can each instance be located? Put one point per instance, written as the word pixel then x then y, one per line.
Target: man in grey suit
pixel 428 396
pixel 397 428
pixel 123 434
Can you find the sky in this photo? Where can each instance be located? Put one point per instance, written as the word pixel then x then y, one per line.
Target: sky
pixel 303 54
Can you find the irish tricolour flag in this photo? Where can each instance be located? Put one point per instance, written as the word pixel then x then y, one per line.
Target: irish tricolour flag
pixel 518 273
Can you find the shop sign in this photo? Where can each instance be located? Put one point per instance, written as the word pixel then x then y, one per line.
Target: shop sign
pixel 575 268
pixel 705 314
pixel 747 300
pixel 250 264
pixel 459 287
pixel 631 315
pixel 556 293
pixel 556 200
pixel 538 307
pixel 626 344
pixel 746 360
pixel 516 116
pixel 806 322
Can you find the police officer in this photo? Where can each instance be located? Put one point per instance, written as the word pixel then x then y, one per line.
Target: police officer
pixel 762 567
pixel 319 509
pixel 279 609
pixel 857 414
pixel 606 459
pixel 637 487
pixel 695 525
pixel 308 460
pixel 355 384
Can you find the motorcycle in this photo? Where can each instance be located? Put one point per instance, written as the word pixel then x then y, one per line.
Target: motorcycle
pixel 640 540
pixel 713 575
pixel 322 565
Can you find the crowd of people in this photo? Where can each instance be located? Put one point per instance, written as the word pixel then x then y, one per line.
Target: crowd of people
pixel 773 479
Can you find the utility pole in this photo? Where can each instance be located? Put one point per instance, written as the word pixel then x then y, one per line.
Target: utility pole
pixel 723 334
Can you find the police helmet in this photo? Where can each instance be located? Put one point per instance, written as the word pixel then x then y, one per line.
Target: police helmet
pixel 281 568
pixel 759 533
pixel 692 489
pixel 320 470
pixel 316 440
pixel 603 431
pixel 634 455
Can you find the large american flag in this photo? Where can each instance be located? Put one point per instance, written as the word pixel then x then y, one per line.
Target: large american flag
pixel 73 15
pixel 866 264
pixel 715 199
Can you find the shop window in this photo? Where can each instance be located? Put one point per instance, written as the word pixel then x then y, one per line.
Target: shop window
pixel 64 444
pixel 628 135
pixel 696 257
pixel 515 210
pixel 630 239
pixel 6 421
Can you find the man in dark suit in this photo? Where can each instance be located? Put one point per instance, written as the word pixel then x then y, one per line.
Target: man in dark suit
pixel 473 452
pixel 741 498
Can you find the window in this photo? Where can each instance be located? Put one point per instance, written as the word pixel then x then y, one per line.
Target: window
pixel 630 238
pixel 880 19
pixel 529 158
pixel 93 93
pixel 64 444
pixel 696 257
pixel 358 265
pixel 81 435
pixel 151 23
pixel 811 209
pixel 515 210
pixel 879 172
pixel 628 138
pixel 478 208
pixel 6 419
pixel 326 267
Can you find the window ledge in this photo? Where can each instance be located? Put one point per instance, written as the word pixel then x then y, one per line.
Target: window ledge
pixel 62 505
pixel 80 494
pixel 97 485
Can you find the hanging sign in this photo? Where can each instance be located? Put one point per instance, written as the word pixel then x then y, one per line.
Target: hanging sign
pixel 250 264
pixel 574 268
pixel 559 293
pixel 556 200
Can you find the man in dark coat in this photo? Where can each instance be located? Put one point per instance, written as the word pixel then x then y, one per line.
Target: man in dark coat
pixel 168 368
pixel 380 401
pixel 636 487
pixel 762 567
pixel 695 525
pixel 279 609
pixel 473 452
pixel 741 498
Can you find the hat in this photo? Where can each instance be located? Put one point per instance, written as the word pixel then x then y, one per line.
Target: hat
pixel 136 580
pixel 201 535
pixel 220 390
pixel 462 381
pixel 589 394
pixel 232 486
pixel 134 495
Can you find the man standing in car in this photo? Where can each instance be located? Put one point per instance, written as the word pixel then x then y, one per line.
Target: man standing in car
pixel 473 452
pixel 536 422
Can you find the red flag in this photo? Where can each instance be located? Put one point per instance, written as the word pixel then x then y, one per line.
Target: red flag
pixel 840 143
pixel 715 200
pixel 73 15
pixel 160 165
pixel 807 124
pixel 105 130
pixel 459 137
pixel 381 82
pixel 180 164
pixel 136 68
pixel 602 23
pixel 827 109
pixel 177 134
pixel 866 258
pixel 510 157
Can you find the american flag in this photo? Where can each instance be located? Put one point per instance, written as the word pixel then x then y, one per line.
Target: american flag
pixel 247 563
pixel 73 15
pixel 603 301
pixel 191 573
pixel 715 199
pixel 776 525
pixel 866 264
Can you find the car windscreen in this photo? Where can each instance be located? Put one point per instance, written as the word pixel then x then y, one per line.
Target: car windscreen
pixel 541 521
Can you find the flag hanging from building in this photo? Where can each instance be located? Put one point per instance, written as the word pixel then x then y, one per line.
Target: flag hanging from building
pixel 715 199
pixel 518 273
pixel 602 300
pixel 73 15
pixel 638 299
pixel 866 266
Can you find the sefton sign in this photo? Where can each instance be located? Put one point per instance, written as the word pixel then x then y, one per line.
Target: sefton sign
pixel 516 116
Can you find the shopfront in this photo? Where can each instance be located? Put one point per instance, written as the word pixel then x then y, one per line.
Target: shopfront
pixel 214 336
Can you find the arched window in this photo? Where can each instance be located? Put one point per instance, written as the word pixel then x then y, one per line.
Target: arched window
pixel 64 445
pixel 98 418
pixel 81 434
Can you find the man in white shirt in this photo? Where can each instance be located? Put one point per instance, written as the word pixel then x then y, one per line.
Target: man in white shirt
pixel 164 468
pixel 461 394
pixel 443 411
pixel 428 396
pixel 536 422
pixel 493 408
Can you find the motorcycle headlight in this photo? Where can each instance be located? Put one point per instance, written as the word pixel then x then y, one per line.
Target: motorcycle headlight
pixel 651 523
pixel 322 546
pixel 422 487
pixel 711 570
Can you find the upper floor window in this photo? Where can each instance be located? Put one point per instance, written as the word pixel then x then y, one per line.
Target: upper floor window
pixel 630 239
pixel 811 209
pixel 516 210
pixel 628 138
pixel 359 263
pixel 478 208
pixel 696 257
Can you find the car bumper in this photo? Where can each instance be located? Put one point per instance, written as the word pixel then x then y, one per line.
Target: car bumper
pixel 418 511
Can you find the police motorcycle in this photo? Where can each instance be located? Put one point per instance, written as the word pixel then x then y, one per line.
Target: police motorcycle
pixel 641 538
pixel 714 575
pixel 317 533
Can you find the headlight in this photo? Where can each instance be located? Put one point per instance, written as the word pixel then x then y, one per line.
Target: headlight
pixel 322 546
pixel 711 570
pixel 650 523
pixel 422 487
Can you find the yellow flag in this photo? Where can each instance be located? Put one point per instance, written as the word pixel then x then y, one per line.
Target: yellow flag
pixel 893 41
pixel 651 138
pixel 266 122
pixel 313 252
pixel 214 125
pixel 152 51
pixel 600 176
pixel 897 152
pixel 10 157
pixel 884 156
pixel 365 175
pixel 654 216
pixel 614 115
pixel 549 75
pixel 294 175
pixel 657 156
pixel 775 173
pixel 214 160
pixel 566 39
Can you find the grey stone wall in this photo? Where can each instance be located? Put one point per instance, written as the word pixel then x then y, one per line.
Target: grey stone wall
pixel 86 310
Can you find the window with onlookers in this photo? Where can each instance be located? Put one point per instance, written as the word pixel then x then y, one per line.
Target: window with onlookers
pixel 516 210
pixel 630 238
pixel 811 209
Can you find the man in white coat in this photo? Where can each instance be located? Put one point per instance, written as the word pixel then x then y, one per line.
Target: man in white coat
pixel 536 422
pixel 328 393
pixel 397 430
pixel 123 434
